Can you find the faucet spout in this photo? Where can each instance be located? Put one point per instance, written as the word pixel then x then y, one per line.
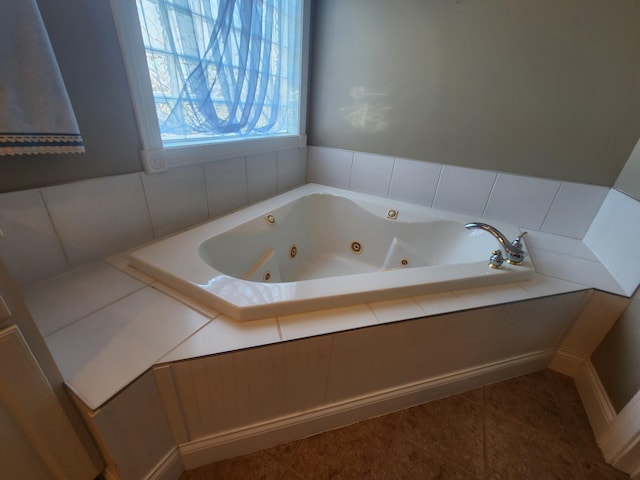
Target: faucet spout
pixel 513 250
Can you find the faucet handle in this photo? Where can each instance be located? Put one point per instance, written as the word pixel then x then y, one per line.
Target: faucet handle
pixel 517 243
pixel 496 260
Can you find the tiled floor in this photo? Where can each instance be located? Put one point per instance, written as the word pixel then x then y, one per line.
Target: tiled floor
pixel 531 427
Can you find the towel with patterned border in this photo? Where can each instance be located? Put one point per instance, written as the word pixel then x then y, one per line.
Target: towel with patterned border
pixel 36 115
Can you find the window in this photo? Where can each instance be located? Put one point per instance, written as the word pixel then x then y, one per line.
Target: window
pixel 214 78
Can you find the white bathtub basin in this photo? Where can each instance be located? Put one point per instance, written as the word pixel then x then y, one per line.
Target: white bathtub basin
pixel 318 247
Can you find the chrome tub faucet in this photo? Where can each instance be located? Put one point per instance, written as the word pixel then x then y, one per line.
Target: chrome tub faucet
pixel 513 251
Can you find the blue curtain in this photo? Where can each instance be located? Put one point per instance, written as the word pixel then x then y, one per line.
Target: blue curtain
pixel 218 64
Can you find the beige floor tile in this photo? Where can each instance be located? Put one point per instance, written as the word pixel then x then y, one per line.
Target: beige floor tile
pixel 549 402
pixel 285 453
pixel 517 451
pixel 409 462
pixel 355 452
pixel 597 470
pixel 451 428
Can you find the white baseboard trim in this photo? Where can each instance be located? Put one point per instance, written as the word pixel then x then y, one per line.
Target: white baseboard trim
pixel 617 434
pixel 566 363
pixel 595 399
pixel 109 473
pixel 169 468
pixel 620 443
pixel 299 425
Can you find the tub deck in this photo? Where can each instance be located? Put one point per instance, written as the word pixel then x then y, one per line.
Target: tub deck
pixel 126 321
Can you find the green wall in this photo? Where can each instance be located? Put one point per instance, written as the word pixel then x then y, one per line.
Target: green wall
pixel 617 358
pixel 629 179
pixel 536 87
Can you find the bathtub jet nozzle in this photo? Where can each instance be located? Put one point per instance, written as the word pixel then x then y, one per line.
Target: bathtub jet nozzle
pixel 514 252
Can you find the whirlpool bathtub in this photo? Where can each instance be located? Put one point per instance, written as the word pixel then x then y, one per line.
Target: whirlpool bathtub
pixel 318 247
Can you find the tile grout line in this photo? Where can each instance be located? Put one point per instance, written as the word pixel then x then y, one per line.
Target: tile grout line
pixel 56 233
pixel 154 232
pixel 553 201
pixel 435 190
pixel 206 189
pixel 393 167
pixel 353 156
pixel 486 203
pixel 93 312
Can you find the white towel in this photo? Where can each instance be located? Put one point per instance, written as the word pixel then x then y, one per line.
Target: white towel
pixel 35 111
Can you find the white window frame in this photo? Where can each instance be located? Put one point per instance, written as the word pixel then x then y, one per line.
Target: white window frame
pixel 156 158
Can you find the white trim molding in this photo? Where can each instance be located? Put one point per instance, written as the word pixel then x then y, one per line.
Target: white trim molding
pixel 594 399
pixel 566 363
pixel 620 442
pixel 169 468
pixel 29 405
pixel 161 159
pixel 275 431
pixel 125 15
pixel 154 156
pixel 617 434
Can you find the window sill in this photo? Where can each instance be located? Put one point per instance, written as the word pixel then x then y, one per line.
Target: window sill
pixel 163 159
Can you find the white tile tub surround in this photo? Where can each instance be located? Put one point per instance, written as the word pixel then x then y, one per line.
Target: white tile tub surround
pixel 177 199
pixel 185 299
pixel 236 182
pixel 464 190
pixel 573 209
pixel 262 176
pixel 226 182
pixel 575 269
pixel 99 217
pixel 321 322
pixel 51 230
pixel 614 237
pixel 414 181
pixel 225 335
pixel 292 168
pixel 521 200
pixel 561 245
pixel 399 178
pixel 330 166
pixel 393 310
pixel 478 297
pixel 538 286
pixel 95 218
pixel 29 245
pixel 122 263
pixel 437 303
pixel 91 287
pixel 371 174
pixel 570 259
pixel 121 338
pixel 103 352
pixel 561 208
pixel 542 286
